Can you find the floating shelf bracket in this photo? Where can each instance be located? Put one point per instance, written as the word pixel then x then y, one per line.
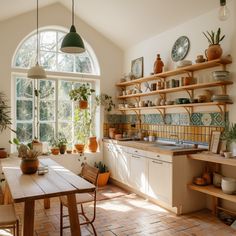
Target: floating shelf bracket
pixel 190 93
pixel 162 113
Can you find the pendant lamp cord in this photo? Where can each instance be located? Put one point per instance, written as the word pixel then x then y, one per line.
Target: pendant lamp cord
pixel 73 8
pixel 37 31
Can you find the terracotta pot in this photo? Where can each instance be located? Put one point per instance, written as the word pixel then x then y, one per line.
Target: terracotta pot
pixel 112 132
pixel 103 179
pixel 213 52
pixel 62 149
pixel 93 145
pixel 3 153
pixel 79 147
pixel 55 151
pixel 83 104
pixel 29 166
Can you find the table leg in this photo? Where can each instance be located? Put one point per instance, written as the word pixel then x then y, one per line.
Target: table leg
pixel 7 199
pixel 73 215
pixel 46 203
pixel 28 228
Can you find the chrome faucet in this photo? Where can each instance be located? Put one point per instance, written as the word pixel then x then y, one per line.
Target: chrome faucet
pixel 176 136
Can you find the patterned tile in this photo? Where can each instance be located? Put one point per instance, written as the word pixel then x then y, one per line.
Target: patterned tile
pixel 184 119
pixel 206 119
pixel 196 119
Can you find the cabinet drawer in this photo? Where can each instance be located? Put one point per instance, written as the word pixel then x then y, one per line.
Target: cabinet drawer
pixel 158 156
pixel 136 151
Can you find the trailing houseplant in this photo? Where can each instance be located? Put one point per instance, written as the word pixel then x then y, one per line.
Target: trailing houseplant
pixel 214 50
pixel 103 175
pixel 81 94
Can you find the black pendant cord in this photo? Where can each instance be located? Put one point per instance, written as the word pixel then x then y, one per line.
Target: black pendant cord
pixel 37 31
pixel 73 8
pixel 222 2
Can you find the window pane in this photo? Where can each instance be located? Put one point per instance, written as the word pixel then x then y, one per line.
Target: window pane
pixel 46 132
pixel 26 55
pixel 61 36
pixel 48 60
pixel 65 62
pixel 24 110
pixel 66 130
pixel 83 64
pixel 24 132
pixel 64 88
pixel 47 111
pixel 24 88
pixel 48 41
pixel 47 89
pixel 65 110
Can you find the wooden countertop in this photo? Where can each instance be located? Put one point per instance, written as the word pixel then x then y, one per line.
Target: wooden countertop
pixel 149 146
pixel 215 158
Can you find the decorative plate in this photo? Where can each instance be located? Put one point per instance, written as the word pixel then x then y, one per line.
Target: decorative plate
pixel 180 48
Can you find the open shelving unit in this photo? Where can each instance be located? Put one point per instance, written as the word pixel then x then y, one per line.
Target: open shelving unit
pixel 211 190
pixel 189 89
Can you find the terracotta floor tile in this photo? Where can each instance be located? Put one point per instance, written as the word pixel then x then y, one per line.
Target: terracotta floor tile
pixel 128 215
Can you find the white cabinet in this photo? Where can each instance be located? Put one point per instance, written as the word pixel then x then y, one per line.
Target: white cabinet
pixel 109 158
pixel 160 180
pixel 138 172
pixel 122 165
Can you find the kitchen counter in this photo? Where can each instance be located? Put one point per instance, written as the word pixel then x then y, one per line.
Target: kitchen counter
pixel 160 147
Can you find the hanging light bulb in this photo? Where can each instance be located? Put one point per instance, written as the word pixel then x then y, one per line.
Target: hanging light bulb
pixel 37 71
pixel 224 11
pixel 72 42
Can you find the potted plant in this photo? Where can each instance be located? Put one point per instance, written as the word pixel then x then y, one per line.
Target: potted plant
pixel 229 136
pixel 29 159
pixel 214 50
pixel 103 100
pixel 62 143
pixel 81 94
pixel 54 146
pixel 103 175
pixel 5 120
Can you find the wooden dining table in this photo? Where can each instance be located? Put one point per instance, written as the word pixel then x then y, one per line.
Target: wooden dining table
pixel 58 181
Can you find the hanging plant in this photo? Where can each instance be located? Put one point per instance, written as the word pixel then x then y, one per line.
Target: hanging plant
pixel 5 119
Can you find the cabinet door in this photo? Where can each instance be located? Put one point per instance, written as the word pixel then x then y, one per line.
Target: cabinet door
pixel 123 166
pixel 109 156
pixel 160 180
pixel 138 172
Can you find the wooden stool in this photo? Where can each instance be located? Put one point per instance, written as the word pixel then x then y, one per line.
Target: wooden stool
pixel 8 219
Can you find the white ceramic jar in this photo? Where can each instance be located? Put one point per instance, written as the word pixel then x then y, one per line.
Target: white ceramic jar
pixel 228 185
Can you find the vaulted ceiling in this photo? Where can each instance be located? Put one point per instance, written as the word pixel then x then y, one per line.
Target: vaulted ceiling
pixel 125 22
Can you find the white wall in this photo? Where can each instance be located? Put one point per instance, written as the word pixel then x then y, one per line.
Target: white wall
pixel 14 30
pixel 193 30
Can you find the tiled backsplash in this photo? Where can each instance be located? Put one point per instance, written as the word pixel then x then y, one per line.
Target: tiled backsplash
pixel 197 128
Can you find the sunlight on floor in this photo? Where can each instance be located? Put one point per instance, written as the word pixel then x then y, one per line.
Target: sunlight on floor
pixel 114 206
pixel 5 232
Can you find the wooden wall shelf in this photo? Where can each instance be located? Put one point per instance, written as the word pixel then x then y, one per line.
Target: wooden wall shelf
pixel 178 71
pixel 213 191
pixel 178 89
pixel 215 158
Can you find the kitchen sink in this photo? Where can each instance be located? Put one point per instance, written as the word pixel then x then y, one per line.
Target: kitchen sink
pixel 172 146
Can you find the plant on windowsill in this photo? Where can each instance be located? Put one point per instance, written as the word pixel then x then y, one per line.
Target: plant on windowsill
pixel 103 175
pixel 54 146
pixel 100 100
pixel 214 50
pixel 81 95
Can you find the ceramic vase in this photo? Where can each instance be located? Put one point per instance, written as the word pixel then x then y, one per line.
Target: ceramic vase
pixel 29 166
pixel 3 153
pixel 158 65
pixel 213 52
pixel 93 145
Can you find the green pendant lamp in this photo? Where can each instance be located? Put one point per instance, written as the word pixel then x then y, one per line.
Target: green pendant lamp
pixel 37 71
pixel 72 42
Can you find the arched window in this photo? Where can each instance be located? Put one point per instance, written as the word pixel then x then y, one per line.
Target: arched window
pixel 51 58
pixel 43 108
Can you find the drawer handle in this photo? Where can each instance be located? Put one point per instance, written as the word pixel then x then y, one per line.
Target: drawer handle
pixel 157 162
pixel 136 156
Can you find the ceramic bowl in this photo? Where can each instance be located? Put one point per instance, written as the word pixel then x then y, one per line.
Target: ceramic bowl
pixel 228 185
